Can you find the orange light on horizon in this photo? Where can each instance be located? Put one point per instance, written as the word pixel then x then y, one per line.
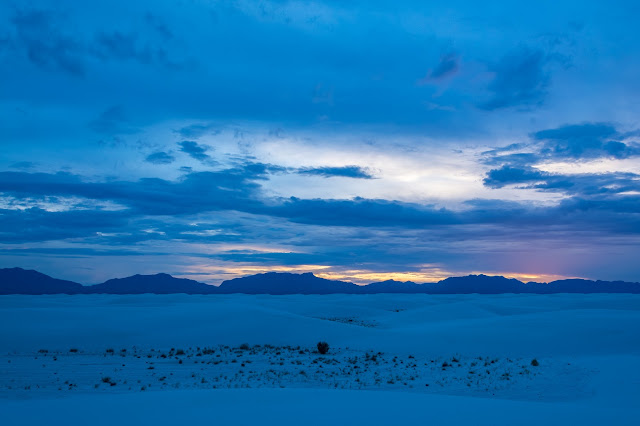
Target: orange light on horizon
pixel 429 273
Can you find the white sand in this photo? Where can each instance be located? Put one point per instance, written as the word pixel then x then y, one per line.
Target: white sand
pixel 588 347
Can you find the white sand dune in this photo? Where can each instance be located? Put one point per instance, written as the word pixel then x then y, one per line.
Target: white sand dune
pixel 588 348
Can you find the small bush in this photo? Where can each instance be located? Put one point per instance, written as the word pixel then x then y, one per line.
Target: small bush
pixel 106 380
pixel 244 347
pixel 180 352
pixel 323 347
pixel 73 350
pixel 535 362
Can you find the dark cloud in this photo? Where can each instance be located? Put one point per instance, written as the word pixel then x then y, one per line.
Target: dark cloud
pixel 520 80
pixel 194 150
pixel 39 34
pixel 49 43
pixel 157 24
pixel 232 189
pixel 355 172
pixel 588 140
pixel 565 143
pixel 261 170
pixel 508 175
pixel 34 224
pixel 195 131
pixel 447 67
pixel 361 212
pixel 160 158
pixel 601 186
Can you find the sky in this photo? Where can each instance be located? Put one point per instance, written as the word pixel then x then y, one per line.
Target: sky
pixel 359 140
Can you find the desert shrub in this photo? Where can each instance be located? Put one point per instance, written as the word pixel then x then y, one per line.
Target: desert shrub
pixel 106 380
pixel 244 347
pixel 323 347
pixel 179 352
pixel 73 350
pixel 535 362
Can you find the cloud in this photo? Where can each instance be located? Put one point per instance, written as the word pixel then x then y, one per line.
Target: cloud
pixel 507 175
pixel 194 150
pixel 24 165
pixel 112 121
pixel 238 190
pixel 361 212
pixel 196 192
pixel 260 170
pixel 46 46
pixel 241 225
pixel 45 37
pixel 355 172
pixel 157 24
pixel 519 80
pixel 35 225
pixel 121 46
pixel 571 142
pixel 448 66
pixel 160 158
pixel 587 140
pixel 195 131
pixel 601 186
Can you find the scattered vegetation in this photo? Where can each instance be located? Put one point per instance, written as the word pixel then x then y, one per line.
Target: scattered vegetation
pixel 108 380
pixel 283 366
pixel 323 347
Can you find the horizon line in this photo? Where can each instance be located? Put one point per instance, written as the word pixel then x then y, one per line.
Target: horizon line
pixel 319 275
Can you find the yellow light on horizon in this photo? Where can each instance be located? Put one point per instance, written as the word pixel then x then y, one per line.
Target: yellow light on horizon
pixel 429 273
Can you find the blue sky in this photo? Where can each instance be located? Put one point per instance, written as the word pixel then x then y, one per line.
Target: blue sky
pixel 359 140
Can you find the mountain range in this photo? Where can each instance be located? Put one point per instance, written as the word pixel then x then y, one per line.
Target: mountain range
pixel 22 281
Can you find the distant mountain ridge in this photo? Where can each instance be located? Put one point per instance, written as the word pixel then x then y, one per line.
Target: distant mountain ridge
pixel 286 283
pixel 21 281
pixel 157 284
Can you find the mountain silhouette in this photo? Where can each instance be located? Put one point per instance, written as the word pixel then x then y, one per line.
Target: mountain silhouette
pixel 481 284
pixel 21 281
pixel 286 283
pixel 158 284
pixel 392 286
